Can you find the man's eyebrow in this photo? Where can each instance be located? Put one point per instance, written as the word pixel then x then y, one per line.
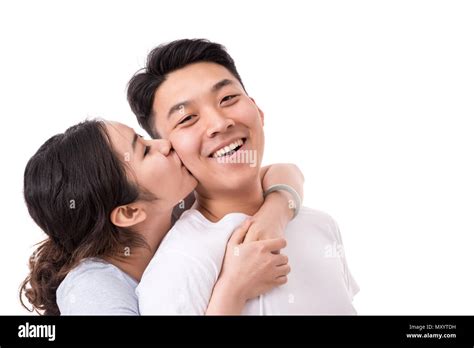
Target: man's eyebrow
pixel 220 84
pixel 214 89
pixel 177 107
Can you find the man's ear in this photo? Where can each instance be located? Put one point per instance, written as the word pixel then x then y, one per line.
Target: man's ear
pixel 260 112
pixel 127 215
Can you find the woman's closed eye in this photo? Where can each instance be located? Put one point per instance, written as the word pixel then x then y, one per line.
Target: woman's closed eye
pixel 147 149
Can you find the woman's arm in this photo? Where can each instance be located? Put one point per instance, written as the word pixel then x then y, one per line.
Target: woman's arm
pixel 248 270
pixel 275 213
pixel 253 264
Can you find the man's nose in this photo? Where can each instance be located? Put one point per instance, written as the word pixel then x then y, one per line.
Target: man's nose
pixel 217 123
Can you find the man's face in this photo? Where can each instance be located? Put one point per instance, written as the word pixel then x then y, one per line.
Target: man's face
pixel 205 113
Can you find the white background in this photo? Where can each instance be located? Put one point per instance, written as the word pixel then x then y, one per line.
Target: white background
pixel 374 100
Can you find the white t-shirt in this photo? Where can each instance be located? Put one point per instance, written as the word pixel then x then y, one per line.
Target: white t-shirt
pixel 181 275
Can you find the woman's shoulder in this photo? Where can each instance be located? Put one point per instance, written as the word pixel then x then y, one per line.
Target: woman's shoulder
pixel 98 269
pixel 97 287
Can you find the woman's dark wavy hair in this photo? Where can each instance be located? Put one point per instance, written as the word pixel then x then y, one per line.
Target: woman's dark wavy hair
pixel 71 185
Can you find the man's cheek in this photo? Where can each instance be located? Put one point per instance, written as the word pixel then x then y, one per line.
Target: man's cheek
pixel 179 144
pixel 189 143
pixel 186 153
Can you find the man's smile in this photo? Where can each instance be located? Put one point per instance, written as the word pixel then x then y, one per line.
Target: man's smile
pixel 227 148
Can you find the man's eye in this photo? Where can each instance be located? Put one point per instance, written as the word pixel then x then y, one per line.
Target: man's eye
pixel 147 149
pixel 186 119
pixel 228 97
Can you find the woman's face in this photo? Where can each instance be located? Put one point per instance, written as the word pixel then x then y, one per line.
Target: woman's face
pixel 152 164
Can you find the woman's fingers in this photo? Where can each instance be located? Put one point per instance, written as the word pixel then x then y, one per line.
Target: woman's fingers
pixel 283 270
pixel 274 245
pixel 281 280
pixel 280 260
pixel 239 233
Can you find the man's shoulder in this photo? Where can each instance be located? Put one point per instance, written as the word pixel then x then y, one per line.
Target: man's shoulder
pixel 197 238
pixel 316 221
pixel 192 227
pixel 186 228
pixel 307 214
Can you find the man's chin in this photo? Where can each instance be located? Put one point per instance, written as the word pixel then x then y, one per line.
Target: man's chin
pixel 229 177
pixel 229 167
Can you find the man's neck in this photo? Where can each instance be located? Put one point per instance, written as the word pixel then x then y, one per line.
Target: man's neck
pixel 242 200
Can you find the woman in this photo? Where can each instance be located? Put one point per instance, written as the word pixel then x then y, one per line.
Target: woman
pixel 105 196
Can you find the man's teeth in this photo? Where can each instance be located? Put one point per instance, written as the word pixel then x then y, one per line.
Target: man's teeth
pixel 228 148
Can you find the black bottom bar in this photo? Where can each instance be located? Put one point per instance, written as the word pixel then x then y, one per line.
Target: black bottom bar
pixel 287 330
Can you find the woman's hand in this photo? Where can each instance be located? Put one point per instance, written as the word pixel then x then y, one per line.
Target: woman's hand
pixel 249 269
pixel 271 220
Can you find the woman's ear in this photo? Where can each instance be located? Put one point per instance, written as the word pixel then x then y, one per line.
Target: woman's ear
pixel 127 215
pixel 260 112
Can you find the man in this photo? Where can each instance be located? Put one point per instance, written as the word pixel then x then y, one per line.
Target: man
pixel 191 93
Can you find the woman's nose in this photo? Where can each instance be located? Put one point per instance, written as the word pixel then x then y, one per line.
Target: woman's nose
pixel 163 146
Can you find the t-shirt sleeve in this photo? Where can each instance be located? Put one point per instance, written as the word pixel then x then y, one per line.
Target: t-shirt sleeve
pixel 96 293
pixel 351 284
pixel 175 283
